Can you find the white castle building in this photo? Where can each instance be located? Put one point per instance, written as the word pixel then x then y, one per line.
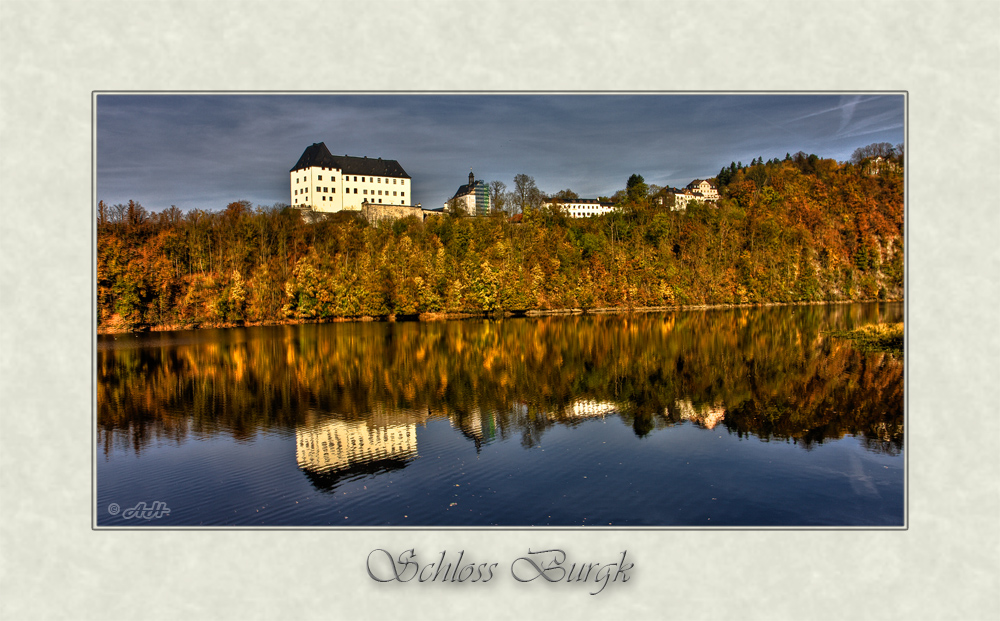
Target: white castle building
pixel 326 182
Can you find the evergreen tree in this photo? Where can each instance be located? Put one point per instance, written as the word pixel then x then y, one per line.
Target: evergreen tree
pixel 636 188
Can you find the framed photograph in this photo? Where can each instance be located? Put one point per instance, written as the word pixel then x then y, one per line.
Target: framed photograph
pixel 562 310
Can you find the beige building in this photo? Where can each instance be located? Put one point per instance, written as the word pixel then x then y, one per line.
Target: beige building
pixel 698 190
pixel 879 164
pixel 705 189
pixel 325 182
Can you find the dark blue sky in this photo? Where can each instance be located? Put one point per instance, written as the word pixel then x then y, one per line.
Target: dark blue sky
pixel 205 151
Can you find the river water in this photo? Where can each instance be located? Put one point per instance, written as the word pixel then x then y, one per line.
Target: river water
pixel 736 417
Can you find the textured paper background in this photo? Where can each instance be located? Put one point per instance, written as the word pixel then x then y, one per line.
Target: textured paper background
pixel 54 54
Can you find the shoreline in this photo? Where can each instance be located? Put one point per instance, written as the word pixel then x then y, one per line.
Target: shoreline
pixel 427 317
pixel 883 337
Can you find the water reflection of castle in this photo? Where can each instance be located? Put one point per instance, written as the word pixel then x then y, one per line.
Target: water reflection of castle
pixel 483 427
pixel 581 408
pixel 475 425
pixel 330 449
pixel 589 408
pixel 708 416
pixel 339 444
pixel 334 449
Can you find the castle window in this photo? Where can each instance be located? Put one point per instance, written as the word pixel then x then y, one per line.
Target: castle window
pixel 334 178
pixel 380 179
pixel 394 193
pixel 355 190
pixel 365 192
pixel 393 182
pixel 319 177
pixel 355 178
pixel 380 200
pixel 380 193
pixel 324 198
pixel 333 191
pixel 362 179
pixel 402 193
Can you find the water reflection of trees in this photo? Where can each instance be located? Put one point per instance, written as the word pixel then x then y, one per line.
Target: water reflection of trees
pixel 769 373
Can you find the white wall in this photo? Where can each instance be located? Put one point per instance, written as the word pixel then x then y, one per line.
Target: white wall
pixel 329 190
pixel 467 202
pixel 583 210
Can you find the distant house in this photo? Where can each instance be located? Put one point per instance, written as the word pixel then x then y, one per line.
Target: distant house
pixel 704 188
pixel 582 207
pixel 879 164
pixel 473 198
pixel 698 190
pixel 325 182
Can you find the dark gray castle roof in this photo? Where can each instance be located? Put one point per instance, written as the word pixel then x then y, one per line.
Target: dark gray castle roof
pixel 468 188
pixel 318 155
pixel 696 183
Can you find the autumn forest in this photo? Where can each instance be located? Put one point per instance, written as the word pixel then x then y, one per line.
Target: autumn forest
pixel 800 229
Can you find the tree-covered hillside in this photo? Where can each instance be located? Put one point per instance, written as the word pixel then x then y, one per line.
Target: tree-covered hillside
pixel 798 229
